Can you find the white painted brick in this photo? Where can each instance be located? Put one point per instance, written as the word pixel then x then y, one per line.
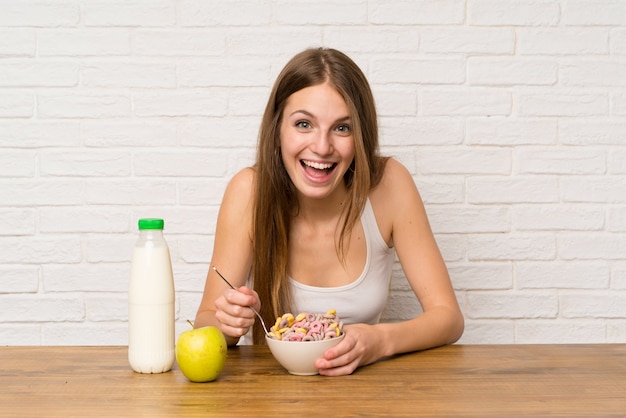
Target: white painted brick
pixel 17 42
pixel 404 131
pixel 481 276
pixel 85 334
pixel 419 71
pixel 268 41
pixel 71 104
pixel 368 39
pixel 83 42
pixel 469 219
pixel 221 72
pixel 43 307
pixel 616 221
pixel 188 164
pixel 180 103
pixel 38 134
pixel 320 12
pixel 516 189
pixel 83 219
pixel 17 221
pixel 95 163
pixel 105 277
pixel 20 334
pixel 417 12
pixel 201 192
pixel 618 105
pixel 511 71
pixel 488 332
pixel 615 331
pixel 131 192
pixel 594 12
pixel 189 278
pixel 441 190
pixel 557 102
pixel 505 304
pixel 188 305
pixel 19 279
pixel 560 332
pixel 593 73
pixel 466 102
pixel 558 217
pixel 513 12
pixel 562 275
pixel 453 247
pixel 17 163
pixel 502 247
pixel 40 249
pixel 231 132
pixel 592 304
pixel 196 249
pixel 147 133
pixel 588 246
pixel 468 160
pixel 592 132
pixel 157 42
pixel 111 248
pixel 128 13
pixel 394 102
pixel 593 189
pixel 468 40
pixel 562 41
pixel 618 41
pixel 561 160
pixel 126 74
pixel 507 131
pixel 21 73
pixel 617 161
pixel 35 193
pixel 17 104
pixel 232 13
pixel 107 307
pixel 31 13
pixel 618 276
pixel 248 102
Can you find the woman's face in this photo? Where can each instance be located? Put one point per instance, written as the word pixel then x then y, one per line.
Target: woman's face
pixel 316 141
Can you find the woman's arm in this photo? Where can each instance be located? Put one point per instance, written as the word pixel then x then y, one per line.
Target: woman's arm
pixel 221 306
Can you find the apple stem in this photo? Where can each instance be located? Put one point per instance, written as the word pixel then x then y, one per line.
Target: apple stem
pixel 190 323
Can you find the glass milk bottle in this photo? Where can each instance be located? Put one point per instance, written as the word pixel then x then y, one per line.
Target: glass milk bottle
pixel 151 345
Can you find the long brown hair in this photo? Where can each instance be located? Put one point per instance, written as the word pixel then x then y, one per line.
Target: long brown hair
pixel 275 199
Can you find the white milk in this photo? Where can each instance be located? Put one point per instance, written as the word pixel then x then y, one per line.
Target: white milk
pixel 151 345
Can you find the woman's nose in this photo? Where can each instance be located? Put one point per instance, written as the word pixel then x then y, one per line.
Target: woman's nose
pixel 322 144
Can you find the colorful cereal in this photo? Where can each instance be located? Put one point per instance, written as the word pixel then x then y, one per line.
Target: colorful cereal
pixel 307 327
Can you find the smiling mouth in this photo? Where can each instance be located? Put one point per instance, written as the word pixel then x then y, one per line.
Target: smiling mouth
pixel 316 168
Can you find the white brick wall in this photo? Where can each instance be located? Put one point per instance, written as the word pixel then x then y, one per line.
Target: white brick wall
pixel 511 114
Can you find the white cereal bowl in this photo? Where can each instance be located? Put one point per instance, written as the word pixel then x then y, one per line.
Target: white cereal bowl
pixel 298 357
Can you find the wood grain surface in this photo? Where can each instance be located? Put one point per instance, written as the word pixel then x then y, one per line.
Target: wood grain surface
pixel 457 380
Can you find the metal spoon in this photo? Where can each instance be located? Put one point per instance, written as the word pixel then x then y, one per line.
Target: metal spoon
pixel 253 310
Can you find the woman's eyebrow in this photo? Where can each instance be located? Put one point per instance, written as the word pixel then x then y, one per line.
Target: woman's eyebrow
pixel 311 115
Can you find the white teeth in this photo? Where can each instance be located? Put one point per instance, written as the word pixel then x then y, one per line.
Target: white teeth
pixel 317 166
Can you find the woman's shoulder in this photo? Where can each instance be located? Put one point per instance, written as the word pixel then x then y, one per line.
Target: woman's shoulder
pixel 396 180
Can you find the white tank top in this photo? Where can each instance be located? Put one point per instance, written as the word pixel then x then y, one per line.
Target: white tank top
pixel 363 300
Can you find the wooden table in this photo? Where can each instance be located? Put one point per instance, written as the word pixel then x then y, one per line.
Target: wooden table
pixel 458 380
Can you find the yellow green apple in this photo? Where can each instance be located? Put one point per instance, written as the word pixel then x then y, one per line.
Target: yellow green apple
pixel 201 353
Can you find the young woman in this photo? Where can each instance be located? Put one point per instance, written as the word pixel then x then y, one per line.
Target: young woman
pixel 317 222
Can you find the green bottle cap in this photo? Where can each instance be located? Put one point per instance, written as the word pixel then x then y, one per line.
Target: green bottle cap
pixel 151 223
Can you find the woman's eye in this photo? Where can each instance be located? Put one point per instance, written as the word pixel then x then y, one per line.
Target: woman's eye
pixel 345 129
pixel 303 124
